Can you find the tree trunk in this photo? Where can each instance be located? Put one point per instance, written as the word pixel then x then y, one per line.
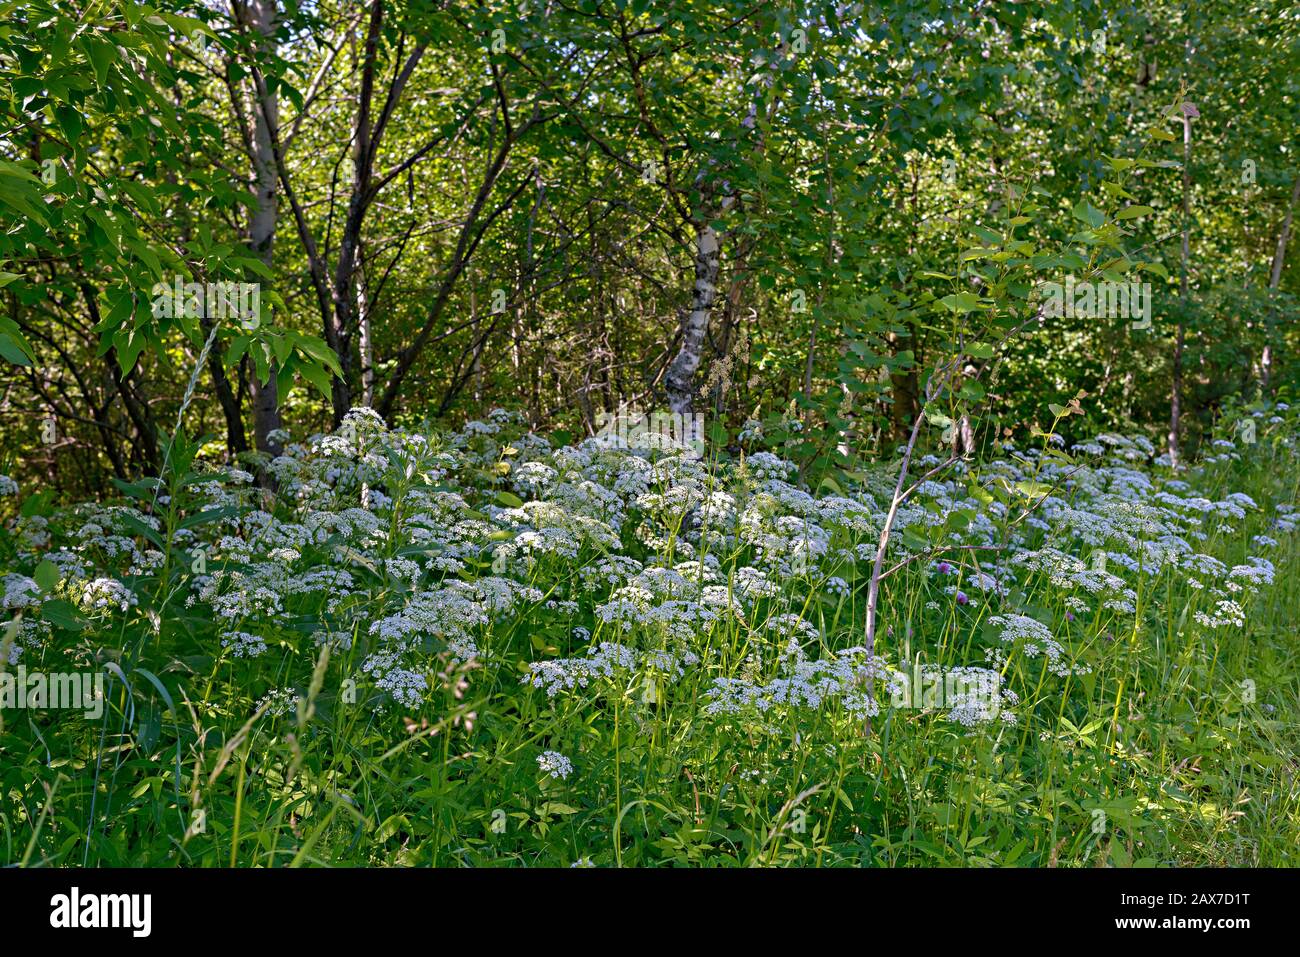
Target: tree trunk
pixel 680 381
pixel 366 336
pixel 905 387
pixel 261 229
pixel 1176 385
pixel 1284 236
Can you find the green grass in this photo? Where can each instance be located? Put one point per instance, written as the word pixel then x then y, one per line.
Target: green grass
pixel 1163 753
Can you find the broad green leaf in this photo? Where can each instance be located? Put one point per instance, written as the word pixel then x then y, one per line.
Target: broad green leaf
pixel 961 302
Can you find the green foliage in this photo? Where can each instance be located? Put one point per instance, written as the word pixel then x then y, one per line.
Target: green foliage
pixel 240 726
pixel 848 159
pixel 448 207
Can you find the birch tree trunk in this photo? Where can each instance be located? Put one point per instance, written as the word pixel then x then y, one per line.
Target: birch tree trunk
pixel 680 381
pixel 366 336
pixel 1279 256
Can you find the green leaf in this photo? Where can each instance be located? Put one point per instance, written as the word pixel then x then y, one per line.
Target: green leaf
pixel 102 54
pixel 1033 489
pixel 63 614
pixel 142 490
pixel 555 807
pixel 1088 213
pixel 143 530
pixel 316 374
pixel 210 515
pixel 1134 212
pixel 12 352
pixel 129 345
pixel 961 302
pixel 46 575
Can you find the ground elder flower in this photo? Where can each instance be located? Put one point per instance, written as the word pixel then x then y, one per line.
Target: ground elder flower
pixel 846 677
pixel 677 559
pixel 972 696
pixel 1033 638
pixel 102 594
pixel 752 584
pixel 1226 613
pixel 568 673
pixel 20 592
pixel 765 465
pixel 280 701
pixel 243 645
pixel 403 684
pixel 554 764
pixel 1251 577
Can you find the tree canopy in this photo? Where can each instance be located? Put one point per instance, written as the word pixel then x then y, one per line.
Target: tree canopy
pixel 784 213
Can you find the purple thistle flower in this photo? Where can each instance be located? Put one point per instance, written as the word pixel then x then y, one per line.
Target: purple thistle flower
pixel 962 599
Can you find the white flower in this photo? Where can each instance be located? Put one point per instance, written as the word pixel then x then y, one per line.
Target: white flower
pixel 21 592
pixel 103 593
pixel 243 645
pixel 554 764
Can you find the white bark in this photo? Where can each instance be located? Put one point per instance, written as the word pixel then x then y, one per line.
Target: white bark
pixel 367 343
pixel 1279 256
pixel 680 380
